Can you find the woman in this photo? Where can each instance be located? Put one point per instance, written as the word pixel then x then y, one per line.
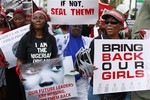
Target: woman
pixel 114 24
pixel 3 27
pixel 19 18
pixel 37 42
pixel 68 45
pixel 13 90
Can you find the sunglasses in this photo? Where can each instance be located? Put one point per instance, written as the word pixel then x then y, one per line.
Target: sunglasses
pixel 111 22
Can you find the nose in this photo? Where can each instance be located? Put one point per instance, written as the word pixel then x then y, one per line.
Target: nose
pixel 17 20
pixel 46 81
pixel 38 19
pixel 43 84
pixel 46 78
pixel 78 27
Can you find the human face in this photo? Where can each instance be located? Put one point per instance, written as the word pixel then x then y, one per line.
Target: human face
pixel 76 30
pixel 19 20
pixel 28 20
pixel 38 21
pixel 113 27
pixel 39 77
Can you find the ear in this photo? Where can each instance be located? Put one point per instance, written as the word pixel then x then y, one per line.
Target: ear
pixel 121 27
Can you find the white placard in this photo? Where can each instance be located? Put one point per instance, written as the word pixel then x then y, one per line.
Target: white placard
pixel 73 11
pixel 123 65
pixel 8 43
pixel 49 80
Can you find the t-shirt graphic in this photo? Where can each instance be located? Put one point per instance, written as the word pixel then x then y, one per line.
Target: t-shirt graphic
pixel 42 53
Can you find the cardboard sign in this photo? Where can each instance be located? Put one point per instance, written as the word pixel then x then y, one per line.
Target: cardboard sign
pixel 9 43
pixel 49 80
pixel 123 65
pixel 73 11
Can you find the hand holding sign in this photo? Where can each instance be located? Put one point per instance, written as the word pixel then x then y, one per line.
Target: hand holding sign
pixel 142 34
pixel 84 63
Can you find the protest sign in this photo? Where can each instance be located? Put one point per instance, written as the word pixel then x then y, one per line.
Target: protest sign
pixel 9 43
pixel 73 11
pixel 122 66
pixel 28 6
pixel 49 80
pixel 13 36
pixel 12 4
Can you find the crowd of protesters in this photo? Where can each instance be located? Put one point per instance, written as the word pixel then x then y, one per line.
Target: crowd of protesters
pixel 66 40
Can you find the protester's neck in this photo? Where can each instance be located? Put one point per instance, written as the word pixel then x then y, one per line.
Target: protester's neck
pixel 39 34
pixel 114 37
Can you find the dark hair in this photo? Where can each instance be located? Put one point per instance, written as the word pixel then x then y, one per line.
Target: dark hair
pixel 65 27
pixel 46 34
pixel 6 23
pixel 9 10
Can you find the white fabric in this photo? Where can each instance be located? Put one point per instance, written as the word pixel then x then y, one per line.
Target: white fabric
pixel 96 31
pixel 10 14
pixel 83 83
pixel 123 8
pixel 82 88
pixel 50 28
pixel 63 40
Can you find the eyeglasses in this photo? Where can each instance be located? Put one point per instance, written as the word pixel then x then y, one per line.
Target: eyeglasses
pixel 111 22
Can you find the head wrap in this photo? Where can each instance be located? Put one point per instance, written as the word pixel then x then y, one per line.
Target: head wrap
pixel 19 11
pixel 73 46
pixel 42 12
